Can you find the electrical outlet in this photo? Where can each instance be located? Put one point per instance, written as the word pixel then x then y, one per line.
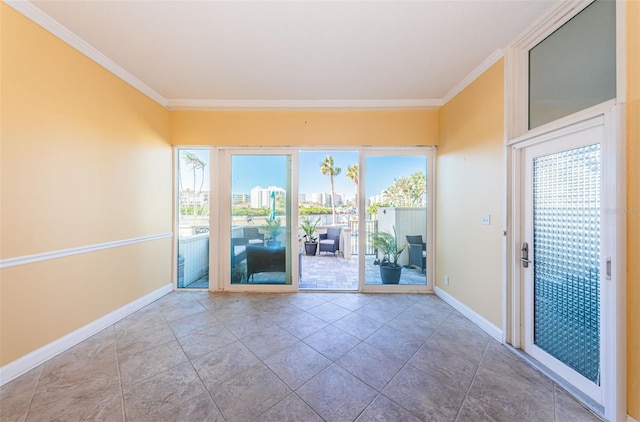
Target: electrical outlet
pixel 446 280
pixel 486 219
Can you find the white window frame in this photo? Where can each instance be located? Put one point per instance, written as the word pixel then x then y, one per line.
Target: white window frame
pixel 220 220
pixel 430 153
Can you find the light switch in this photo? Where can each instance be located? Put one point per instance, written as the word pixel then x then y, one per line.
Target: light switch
pixel 486 219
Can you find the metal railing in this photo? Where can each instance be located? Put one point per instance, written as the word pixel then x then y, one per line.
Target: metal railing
pixel 371 229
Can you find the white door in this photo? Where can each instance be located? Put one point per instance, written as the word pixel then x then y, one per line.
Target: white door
pixel 563 254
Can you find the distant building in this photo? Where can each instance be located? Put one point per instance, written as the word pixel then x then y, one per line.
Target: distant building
pixel 261 197
pixel 318 198
pixel 239 198
pixel 324 199
pixel 376 199
pixel 190 197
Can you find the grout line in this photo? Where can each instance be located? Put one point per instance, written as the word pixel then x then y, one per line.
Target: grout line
pixel 33 394
pixel 475 374
pixel 115 347
pixel 188 358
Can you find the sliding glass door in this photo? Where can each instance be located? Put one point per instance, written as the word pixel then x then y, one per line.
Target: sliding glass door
pixel 328 219
pixel 284 219
pixel 260 224
pixel 396 220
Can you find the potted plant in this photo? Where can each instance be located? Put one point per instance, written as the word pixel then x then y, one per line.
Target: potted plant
pixel 238 273
pixel 387 243
pixel 310 242
pixel 272 228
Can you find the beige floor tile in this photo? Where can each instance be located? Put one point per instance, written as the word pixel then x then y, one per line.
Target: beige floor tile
pixel 289 409
pixel 16 395
pixel 332 342
pixel 569 409
pixel 371 365
pixel 269 341
pixel 358 326
pixel 249 394
pixel 221 364
pixel 382 410
pixel 196 356
pixel 400 344
pixel 424 396
pixel 137 367
pixel 450 368
pixel 336 395
pixel 205 341
pixel 296 364
pixel 154 396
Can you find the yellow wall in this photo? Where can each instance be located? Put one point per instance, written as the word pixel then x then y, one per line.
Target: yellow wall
pixel 85 160
pixel 280 128
pixel 633 205
pixel 470 183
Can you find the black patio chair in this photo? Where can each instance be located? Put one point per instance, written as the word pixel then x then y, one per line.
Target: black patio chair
pixel 417 252
pixel 330 241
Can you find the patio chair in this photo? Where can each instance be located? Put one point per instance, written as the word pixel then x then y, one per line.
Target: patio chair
pixel 262 259
pixel 330 241
pixel 417 252
pixel 253 236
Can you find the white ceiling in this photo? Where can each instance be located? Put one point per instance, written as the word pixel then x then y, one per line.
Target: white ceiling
pixel 203 53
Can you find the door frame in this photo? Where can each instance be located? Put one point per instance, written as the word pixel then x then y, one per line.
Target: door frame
pixel 517 133
pixel 223 247
pixel 613 227
pixel 577 136
pixel 430 154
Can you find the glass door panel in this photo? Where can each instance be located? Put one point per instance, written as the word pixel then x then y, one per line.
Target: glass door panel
pixel 561 249
pixel 328 222
pixel 396 250
pixel 260 219
pixel 193 218
pixel 566 236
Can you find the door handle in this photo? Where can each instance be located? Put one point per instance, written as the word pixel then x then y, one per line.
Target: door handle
pixel 524 255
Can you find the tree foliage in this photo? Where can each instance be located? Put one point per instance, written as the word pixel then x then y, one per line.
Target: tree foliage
pixel 353 174
pixel 328 169
pixel 407 191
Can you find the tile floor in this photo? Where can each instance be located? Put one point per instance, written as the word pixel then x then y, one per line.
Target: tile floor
pixel 195 356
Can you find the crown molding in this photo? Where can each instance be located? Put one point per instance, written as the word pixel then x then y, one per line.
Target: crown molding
pixel 556 16
pixel 29 10
pixel 39 17
pixel 303 104
pixel 473 75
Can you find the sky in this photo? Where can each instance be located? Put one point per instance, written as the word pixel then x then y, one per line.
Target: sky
pixel 248 171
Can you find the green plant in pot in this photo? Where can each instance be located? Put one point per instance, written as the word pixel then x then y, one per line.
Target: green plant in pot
pixel 272 229
pixel 238 273
pixel 310 243
pixel 387 244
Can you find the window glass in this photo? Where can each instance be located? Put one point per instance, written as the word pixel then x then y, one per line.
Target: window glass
pixel 575 67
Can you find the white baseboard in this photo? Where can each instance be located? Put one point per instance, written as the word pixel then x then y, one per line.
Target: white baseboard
pixel 27 362
pixel 630 419
pixel 476 318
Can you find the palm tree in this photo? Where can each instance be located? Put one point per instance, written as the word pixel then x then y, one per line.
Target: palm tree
pixel 196 164
pixel 352 173
pixel 327 168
